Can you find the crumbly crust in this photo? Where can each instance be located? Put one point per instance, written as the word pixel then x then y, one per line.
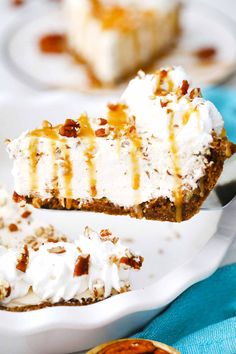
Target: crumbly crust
pixel 156 209
pixel 73 302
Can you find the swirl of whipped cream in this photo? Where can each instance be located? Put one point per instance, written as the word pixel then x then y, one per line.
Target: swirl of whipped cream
pixel 152 116
pixel 8 273
pixel 50 272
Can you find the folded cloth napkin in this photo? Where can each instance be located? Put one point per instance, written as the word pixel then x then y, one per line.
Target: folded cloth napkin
pixel 202 320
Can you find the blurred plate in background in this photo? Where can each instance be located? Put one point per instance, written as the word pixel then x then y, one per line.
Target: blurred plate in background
pixel 207 48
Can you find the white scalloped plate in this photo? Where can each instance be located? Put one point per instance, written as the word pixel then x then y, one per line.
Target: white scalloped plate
pixel 176 256
pixel 202 26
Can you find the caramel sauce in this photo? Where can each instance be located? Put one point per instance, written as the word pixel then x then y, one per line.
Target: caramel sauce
pixel 137 346
pixel 136 145
pixel 68 173
pixel 86 131
pixel 223 133
pixel 177 170
pixel 33 150
pixel 116 17
pixel 162 77
pixel 47 132
pixel 117 118
pixel 119 122
pixel 187 114
pixel 54 169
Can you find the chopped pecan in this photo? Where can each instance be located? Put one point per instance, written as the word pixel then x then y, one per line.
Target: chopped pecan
pixel 17 198
pixel 133 262
pixel 102 121
pixel 26 214
pixel 164 103
pixel 101 132
pixel 5 290
pixel 23 260
pixel 105 233
pixel 196 92
pixel 52 43
pixel 81 265
pixel 13 227
pixel 70 129
pixel 57 250
pixel 184 87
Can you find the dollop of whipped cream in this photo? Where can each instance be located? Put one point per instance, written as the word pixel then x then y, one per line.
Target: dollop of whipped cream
pixel 167 95
pixel 51 275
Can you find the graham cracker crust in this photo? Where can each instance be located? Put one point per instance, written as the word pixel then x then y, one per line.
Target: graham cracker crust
pixel 156 209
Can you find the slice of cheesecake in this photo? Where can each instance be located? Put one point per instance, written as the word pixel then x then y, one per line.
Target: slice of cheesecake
pixel 157 154
pixel 41 267
pixel 116 37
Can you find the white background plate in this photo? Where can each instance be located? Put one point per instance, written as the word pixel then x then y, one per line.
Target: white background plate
pixel 203 26
pixel 176 256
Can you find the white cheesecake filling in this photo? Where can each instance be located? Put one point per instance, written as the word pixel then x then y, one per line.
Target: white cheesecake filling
pixel 173 135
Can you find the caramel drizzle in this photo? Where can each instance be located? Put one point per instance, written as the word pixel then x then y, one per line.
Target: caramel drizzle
pixel 54 168
pixel 187 114
pixel 136 145
pixel 68 173
pixel 162 77
pixel 177 170
pixel 86 131
pixel 119 123
pixel 51 133
pixel 116 17
pixel 33 150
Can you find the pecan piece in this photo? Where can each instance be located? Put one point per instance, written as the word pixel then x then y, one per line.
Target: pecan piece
pixel 133 262
pixel 102 121
pixel 70 129
pixel 101 132
pixel 185 86
pixel 17 198
pixel 12 227
pixel 196 92
pixel 57 250
pixel 81 265
pixel 26 214
pixel 105 233
pixel 5 290
pixel 23 260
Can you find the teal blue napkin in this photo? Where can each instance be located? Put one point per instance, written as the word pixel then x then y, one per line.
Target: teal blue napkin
pixel 225 101
pixel 202 320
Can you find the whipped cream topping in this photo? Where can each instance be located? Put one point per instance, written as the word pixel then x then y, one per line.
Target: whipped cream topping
pixel 157 142
pixel 193 117
pixel 90 267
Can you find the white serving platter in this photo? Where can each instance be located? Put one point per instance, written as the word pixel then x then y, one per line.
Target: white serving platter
pixel 176 255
